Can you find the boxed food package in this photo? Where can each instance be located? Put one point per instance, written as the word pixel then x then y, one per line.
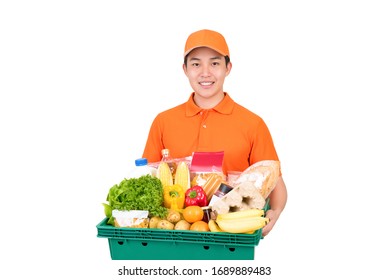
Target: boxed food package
pixel 206 170
pixel 131 219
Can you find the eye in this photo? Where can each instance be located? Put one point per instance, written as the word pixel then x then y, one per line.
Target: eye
pixel 195 64
pixel 215 63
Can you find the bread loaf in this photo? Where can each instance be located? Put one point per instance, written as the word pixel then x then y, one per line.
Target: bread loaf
pixel 251 188
pixel 263 175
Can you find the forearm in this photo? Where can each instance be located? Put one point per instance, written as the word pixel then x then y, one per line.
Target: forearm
pixel 278 197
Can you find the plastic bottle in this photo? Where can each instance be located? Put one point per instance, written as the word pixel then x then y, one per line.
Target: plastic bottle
pixel 141 168
pixel 166 157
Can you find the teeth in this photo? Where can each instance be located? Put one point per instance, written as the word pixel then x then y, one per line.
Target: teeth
pixel 206 83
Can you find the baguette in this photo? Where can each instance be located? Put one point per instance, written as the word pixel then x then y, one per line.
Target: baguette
pixel 263 174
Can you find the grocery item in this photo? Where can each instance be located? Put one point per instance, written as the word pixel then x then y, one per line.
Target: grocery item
pixel 165 224
pixel 173 197
pixel 213 226
pixel 212 183
pixel 166 157
pixel 164 174
pixel 153 222
pixel 131 219
pixel 262 174
pixel 204 164
pixel 207 162
pixel 193 213
pixel 242 214
pixel 182 176
pixel 141 168
pixel 173 216
pixel 251 188
pixel 182 225
pixel 199 226
pixel 242 222
pixel 232 176
pixel 243 197
pixel 220 192
pixel 207 213
pixel 143 193
pixel 195 196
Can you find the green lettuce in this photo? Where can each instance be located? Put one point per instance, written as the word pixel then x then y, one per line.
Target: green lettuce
pixel 143 193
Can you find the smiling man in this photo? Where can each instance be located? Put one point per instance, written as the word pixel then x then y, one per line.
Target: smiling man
pixel 210 121
pixel 206 70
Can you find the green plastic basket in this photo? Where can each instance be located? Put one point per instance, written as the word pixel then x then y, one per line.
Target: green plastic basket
pixel 158 244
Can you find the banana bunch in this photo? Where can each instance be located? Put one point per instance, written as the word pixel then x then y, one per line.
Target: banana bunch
pixel 244 221
pixel 213 226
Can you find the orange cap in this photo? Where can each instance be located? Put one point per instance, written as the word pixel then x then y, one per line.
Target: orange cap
pixel 207 38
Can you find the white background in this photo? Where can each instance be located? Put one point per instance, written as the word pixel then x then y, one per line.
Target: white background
pixel 81 81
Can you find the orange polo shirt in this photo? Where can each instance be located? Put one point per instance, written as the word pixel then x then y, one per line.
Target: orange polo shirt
pixel 229 127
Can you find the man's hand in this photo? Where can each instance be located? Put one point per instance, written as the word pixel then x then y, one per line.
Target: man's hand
pixel 273 217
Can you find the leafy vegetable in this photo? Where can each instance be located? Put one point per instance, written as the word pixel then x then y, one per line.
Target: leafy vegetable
pixel 143 193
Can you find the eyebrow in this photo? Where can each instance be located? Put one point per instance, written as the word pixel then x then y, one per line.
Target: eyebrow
pixel 212 58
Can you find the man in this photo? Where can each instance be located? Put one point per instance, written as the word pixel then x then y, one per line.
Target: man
pixel 210 121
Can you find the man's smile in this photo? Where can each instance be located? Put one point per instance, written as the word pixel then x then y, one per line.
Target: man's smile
pixel 206 83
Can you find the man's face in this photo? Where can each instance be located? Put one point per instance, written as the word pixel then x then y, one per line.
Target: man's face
pixel 206 70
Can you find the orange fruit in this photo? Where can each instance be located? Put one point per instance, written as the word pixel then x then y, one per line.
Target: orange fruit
pixel 199 226
pixel 193 213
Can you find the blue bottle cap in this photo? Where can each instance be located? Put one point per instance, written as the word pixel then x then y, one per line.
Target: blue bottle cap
pixel 141 161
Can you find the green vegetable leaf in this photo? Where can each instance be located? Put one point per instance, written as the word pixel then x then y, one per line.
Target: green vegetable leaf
pixel 107 210
pixel 144 193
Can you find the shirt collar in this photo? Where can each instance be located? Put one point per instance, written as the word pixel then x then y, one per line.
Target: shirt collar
pixel 224 107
